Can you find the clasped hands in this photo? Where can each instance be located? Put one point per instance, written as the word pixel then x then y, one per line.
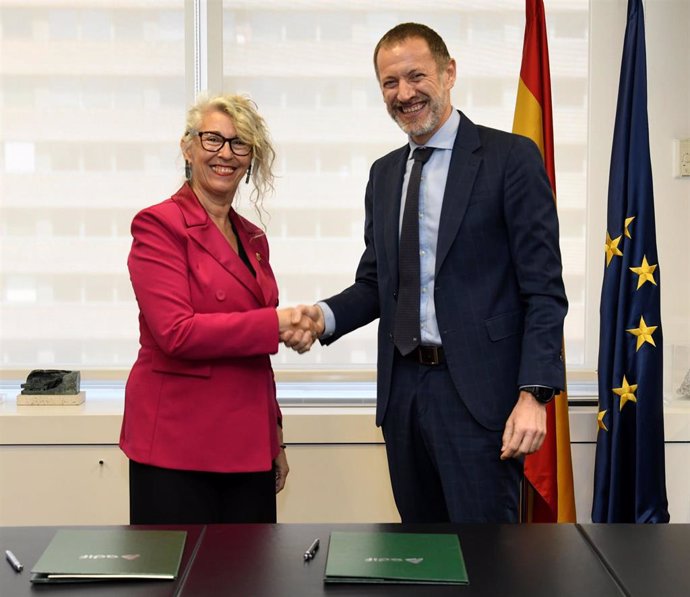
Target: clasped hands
pixel 300 326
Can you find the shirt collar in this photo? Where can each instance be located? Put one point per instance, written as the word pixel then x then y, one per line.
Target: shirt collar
pixel 443 138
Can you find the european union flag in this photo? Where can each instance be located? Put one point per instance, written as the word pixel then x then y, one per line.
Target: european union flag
pixel 629 475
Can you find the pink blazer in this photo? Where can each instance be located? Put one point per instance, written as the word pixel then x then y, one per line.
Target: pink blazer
pixel 201 394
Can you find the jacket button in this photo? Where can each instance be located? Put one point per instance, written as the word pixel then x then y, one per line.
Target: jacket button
pixel 220 295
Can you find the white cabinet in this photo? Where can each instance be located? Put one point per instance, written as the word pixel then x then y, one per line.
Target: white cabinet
pixel 62 465
pixel 57 484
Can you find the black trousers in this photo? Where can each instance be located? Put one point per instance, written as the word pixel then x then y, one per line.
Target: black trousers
pixel 444 465
pixel 169 496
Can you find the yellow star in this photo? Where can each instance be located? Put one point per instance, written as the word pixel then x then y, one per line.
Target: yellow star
pixel 611 248
pixel 645 271
pixel 643 333
pixel 626 392
pixel 600 420
pixel 628 221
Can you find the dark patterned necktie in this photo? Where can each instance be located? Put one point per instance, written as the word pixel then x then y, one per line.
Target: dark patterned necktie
pixel 406 332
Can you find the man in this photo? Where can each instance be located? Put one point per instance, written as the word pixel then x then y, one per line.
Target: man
pixel 465 401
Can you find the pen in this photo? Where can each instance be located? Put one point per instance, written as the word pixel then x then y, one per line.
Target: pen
pixel 14 562
pixel 311 550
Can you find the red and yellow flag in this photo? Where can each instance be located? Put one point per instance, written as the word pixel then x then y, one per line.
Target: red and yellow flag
pixel 549 495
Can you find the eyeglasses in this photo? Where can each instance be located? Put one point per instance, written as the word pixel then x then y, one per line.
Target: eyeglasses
pixel 212 141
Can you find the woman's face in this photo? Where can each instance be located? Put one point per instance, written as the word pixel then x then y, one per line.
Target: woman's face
pixel 216 174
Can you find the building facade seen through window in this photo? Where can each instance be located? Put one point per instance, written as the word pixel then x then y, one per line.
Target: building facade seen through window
pixel 92 108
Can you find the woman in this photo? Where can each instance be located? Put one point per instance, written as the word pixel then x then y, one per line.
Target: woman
pixel 202 427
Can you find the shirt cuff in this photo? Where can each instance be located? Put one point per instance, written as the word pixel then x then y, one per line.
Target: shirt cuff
pixel 328 320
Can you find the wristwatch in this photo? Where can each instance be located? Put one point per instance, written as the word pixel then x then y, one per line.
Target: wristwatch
pixel 543 394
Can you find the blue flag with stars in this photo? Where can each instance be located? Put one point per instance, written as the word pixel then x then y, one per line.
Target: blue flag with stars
pixel 629 472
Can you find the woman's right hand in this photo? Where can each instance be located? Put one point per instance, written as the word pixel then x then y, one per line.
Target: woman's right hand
pixel 297 329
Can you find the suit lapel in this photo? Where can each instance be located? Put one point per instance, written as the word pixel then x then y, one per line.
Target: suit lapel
pixel 254 242
pixel 392 192
pixel 207 236
pixel 464 165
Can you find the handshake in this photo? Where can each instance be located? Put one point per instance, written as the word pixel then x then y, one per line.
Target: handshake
pixel 300 326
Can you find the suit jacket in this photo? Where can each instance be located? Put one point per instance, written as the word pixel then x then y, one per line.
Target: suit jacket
pixel 201 394
pixel 499 295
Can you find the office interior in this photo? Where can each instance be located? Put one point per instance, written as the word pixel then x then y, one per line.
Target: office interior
pixel 92 105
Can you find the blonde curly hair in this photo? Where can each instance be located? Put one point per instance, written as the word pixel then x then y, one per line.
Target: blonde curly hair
pixel 251 128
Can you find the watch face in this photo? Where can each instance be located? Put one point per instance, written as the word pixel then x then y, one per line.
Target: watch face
pixel 542 394
pixel 546 394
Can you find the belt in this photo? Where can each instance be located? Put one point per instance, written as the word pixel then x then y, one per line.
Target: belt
pixel 426 355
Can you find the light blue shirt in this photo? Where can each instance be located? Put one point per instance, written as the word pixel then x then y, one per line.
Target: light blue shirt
pixel 431 190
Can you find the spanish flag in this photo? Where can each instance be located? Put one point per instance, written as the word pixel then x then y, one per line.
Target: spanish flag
pixel 549 495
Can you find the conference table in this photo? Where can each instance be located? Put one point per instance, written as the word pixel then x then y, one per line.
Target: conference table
pixel 261 560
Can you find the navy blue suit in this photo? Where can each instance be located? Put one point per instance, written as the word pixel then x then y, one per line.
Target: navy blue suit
pixel 499 295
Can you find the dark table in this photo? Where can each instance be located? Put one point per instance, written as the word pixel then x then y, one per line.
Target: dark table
pixel 532 560
pixel 502 560
pixel 647 559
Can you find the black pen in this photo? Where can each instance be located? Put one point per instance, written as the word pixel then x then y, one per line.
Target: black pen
pixel 311 550
pixel 14 562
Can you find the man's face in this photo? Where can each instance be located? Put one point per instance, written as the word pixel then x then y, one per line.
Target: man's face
pixel 416 94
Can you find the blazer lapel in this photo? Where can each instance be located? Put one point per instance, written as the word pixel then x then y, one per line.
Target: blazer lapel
pixel 204 232
pixel 391 193
pixel 464 165
pixel 254 242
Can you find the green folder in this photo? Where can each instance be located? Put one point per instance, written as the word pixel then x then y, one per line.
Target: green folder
pixel 373 557
pixel 110 554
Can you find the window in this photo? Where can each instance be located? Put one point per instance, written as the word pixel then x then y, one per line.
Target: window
pixel 93 107
pixel 92 110
pixel 309 68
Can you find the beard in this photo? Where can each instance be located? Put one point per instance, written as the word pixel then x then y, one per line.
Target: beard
pixel 419 128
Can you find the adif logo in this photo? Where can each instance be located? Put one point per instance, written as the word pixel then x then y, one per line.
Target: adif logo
pixel 109 556
pixel 408 560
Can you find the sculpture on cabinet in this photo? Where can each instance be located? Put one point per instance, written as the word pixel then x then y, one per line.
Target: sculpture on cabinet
pixel 51 387
pixel 52 381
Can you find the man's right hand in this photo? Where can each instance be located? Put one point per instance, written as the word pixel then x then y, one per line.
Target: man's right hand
pixel 298 336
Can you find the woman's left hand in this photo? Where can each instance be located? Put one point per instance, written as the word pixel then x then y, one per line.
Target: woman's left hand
pixel 282 469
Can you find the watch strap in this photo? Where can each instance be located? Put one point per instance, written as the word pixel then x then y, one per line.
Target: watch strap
pixel 542 394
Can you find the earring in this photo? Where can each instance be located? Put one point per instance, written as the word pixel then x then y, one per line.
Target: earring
pixel 187 170
pixel 249 173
